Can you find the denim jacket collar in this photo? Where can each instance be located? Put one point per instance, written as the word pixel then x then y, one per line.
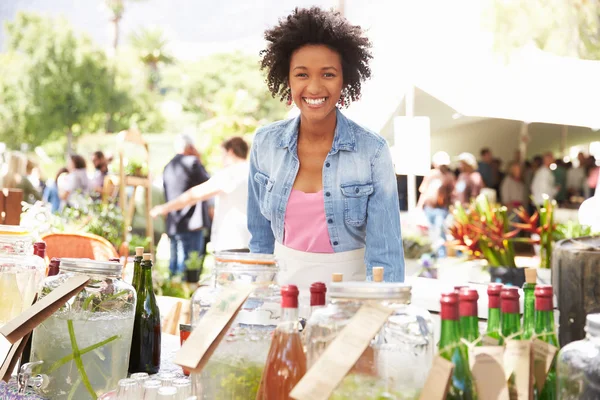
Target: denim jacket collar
pixel 344 138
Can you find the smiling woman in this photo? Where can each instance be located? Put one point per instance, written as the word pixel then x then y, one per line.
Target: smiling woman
pixel 322 189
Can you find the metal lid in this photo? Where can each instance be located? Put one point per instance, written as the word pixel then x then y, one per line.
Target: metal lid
pixel 87 266
pixel 370 290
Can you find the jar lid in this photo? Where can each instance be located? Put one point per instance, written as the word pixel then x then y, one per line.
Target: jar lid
pixel 13 230
pixel 370 290
pixel 592 324
pixel 87 266
pixel 245 258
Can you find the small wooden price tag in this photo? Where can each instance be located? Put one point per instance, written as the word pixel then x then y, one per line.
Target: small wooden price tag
pixel 543 356
pixel 14 334
pixel 206 336
pixel 438 381
pixel 518 360
pixel 487 367
pixel 339 357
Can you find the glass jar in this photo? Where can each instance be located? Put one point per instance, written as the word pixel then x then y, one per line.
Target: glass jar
pixel 397 362
pixel 21 272
pixel 85 345
pixel 578 365
pixel 234 370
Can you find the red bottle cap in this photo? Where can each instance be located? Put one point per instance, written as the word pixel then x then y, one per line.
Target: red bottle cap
pixel 449 306
pixel 289 296
pixel 317 294
pixel 54 267
pixel 39 249
pixel 543 298
pixel 510 300
pixel 467 302
pixel 493 292
pixel 458 288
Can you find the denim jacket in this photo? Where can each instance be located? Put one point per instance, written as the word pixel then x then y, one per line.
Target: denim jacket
pixel 359 190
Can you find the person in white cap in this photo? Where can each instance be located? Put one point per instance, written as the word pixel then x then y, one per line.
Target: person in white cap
pixel 436 197
pixel 469 182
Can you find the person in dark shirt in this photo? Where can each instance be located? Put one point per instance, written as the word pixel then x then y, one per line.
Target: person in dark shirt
pixel 485 168
pixel 185 227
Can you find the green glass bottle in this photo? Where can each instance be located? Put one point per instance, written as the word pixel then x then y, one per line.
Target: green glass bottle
pixel 467 310
pixel 461 385
pixel 493 322
pixel 544 330
pixel 137 268
pixel 145 344
pixel 528 310
pixel 510 316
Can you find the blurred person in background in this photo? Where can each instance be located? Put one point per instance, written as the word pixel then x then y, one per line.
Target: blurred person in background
pixel 592 177
pixel 485 167
pixel 436 197
pixel 229 188
pixel 576 177
pixel 100 171
pixel 469 182
pixel 15 177
pixel 51 192
pixel 77 182
pixel 544 183
pixel 185 226
pixel 560 179
pixel 498 176
pixel 513 192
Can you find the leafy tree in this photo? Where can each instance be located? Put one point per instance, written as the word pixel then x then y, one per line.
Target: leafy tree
pixel 563 27
pixel 151 46
pixel 117 10
pixel 63 81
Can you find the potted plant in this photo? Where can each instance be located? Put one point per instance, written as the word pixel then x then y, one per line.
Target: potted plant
pixel 193 267
pixel 484 232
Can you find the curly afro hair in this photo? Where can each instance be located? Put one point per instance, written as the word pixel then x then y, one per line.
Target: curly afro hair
pixel 316 26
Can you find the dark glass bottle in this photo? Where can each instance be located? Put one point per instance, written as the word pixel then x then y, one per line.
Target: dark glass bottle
pixel 137 267
pixel 145 344
pixel 544 330
pixel 461 385
pixel 493 323
pixel 510 315
pixel 467 310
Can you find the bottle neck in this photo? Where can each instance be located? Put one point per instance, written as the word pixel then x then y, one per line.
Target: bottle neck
pixel 510 324
pixel 289 320
pixel 146 276
pixel 493 324
pixel 469 328
pixel 449 334
pixel 528 310
pixel 544 322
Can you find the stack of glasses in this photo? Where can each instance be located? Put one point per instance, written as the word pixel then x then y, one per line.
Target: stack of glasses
pixel 163 386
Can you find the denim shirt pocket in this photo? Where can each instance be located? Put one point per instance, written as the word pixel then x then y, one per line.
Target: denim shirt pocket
pixel 356 197
pixel 265 188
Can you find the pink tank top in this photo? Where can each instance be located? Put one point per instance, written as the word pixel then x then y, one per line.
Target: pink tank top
pixel 305 226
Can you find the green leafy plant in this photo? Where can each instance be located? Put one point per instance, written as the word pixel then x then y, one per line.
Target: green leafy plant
pixel 571 230
pixel 483 231
pixel 136 168
pixel 194 261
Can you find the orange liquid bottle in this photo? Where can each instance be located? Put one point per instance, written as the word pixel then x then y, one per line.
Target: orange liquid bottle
pixel 286 362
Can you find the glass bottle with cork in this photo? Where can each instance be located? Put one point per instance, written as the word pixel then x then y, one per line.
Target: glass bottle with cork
pixel 467 309
pixel 337 277
pixel 529 303
pixel 145 345
pixel 461 384
pixel 492 333
pixel 544 330
pixel 286 362
pixel 137 267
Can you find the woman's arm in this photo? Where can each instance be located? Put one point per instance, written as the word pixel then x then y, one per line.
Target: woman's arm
pixel 384 238
pixel 198 193
pixel 262 239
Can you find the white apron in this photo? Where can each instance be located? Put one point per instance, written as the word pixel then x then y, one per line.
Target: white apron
pixel 302 269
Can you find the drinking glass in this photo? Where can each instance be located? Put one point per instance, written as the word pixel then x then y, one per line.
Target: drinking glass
pixel 151 387
pixel 128 390
pixel 184 388
pixel 167 393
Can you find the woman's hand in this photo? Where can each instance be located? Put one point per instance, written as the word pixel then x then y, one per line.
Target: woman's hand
pixel 157 210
